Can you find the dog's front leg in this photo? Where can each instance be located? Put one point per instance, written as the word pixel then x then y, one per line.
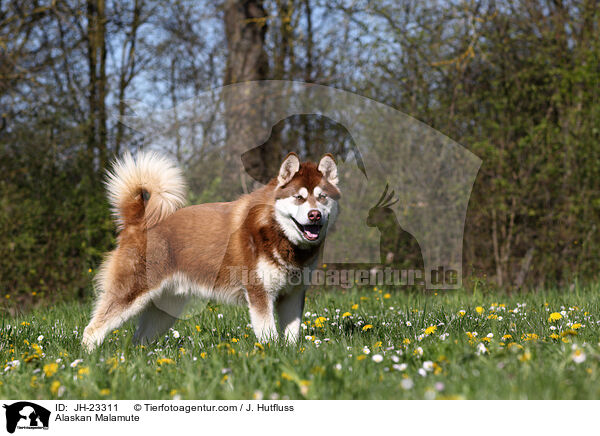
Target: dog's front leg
pixel 289 310
pixel 260 304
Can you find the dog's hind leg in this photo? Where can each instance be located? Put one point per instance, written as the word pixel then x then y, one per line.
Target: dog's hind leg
pixel 123 294
pixel 110 313
pixel 158 316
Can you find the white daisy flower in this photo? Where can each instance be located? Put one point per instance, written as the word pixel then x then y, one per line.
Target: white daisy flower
pixel 407 384
pixel 578 356
pixel 400 366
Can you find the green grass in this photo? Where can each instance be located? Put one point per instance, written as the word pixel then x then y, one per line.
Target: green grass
pixel 206 362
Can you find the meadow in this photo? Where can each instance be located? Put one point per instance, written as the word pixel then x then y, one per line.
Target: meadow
pixel 356 344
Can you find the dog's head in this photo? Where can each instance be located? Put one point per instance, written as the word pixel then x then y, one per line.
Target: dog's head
pixel 306 199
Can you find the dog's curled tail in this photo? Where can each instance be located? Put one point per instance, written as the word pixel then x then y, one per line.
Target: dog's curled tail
pixel 144 190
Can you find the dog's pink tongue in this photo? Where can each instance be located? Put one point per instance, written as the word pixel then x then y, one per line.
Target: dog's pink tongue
pixel 312 232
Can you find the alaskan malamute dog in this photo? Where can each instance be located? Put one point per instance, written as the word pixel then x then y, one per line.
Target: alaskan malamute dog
pixel 240 252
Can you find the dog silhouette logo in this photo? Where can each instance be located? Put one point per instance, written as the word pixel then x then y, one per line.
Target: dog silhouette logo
pixel 26 415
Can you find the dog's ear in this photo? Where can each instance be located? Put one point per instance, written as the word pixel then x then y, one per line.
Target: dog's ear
pixel 289 167
pixel 328 167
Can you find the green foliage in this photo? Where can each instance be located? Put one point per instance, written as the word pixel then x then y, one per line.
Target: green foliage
pixel 55 226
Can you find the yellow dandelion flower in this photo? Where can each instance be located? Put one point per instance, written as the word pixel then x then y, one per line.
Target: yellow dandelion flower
pixel 406 341
pixel 507 337
pixel 320 321
pixel 576 326
pixel 569 332
pixel 165 361
pixel 367 327
pixel 112 363
pixel 203 355
pixel 462 313
pixel 361 357
pixel 104 392
pixel 479 310
pixel 377 344
pixel 555 316
pixel 526 356
pixel 346 314
pixel 530 337
pixel 430 330
pixel 354 306
pixel 54 387
pixel 286 376
pixel 234 340
pixel 554 336
pixel 50 369
pixel 197 328
pixel 83 371
pixel 386 296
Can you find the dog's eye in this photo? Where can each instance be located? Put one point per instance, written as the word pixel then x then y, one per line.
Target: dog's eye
pixel 298 197
pixel 322 196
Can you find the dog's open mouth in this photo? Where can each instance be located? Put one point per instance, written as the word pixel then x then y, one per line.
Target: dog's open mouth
pixel 309 231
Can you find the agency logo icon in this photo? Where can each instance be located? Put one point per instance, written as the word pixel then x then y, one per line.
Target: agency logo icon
pixel 26 415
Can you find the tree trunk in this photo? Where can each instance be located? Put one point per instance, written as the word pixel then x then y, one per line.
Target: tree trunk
pixel 96 39
pixel 128 58
pixel 245 29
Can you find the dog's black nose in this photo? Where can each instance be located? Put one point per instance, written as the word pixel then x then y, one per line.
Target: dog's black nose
pixel 314 215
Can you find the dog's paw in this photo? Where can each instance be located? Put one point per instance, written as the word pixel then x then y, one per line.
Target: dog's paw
pixel 88 342
pixel 291 338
